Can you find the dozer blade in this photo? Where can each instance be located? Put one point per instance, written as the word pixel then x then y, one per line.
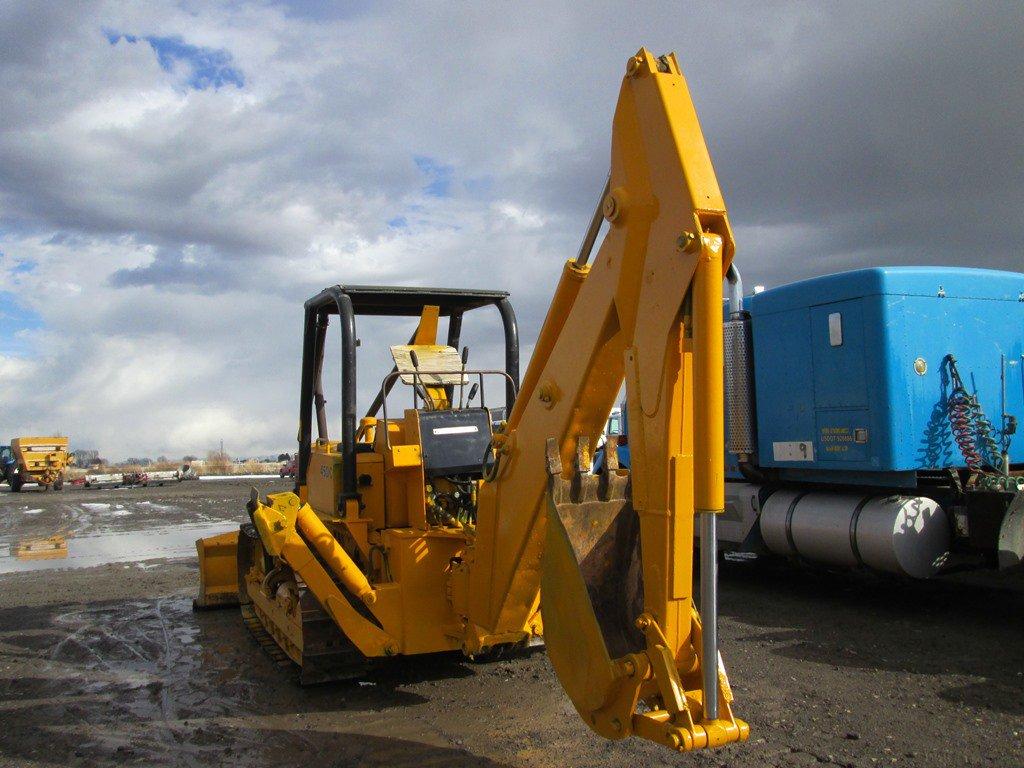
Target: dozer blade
pixel 218 571
pixel 1011 536
pixel 610 656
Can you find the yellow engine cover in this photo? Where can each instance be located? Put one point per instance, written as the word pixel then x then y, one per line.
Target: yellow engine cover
pixel 323 479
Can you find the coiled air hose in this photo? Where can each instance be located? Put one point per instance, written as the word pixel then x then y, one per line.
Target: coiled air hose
pixel 971 427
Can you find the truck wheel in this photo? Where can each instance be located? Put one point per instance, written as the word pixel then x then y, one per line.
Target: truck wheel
pixel 58 484
pixel 16 484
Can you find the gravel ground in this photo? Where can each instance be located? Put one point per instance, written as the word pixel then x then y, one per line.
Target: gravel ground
pixel 108 665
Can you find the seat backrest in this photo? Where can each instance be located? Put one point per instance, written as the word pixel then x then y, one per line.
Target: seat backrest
pixel 431 357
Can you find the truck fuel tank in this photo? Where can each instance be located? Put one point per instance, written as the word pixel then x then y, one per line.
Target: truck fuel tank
pixel 907 535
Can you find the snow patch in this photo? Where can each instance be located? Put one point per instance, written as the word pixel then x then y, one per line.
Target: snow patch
pixel 159 507
pixel 239 477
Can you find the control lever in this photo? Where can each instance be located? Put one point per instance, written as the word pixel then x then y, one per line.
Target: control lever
pixel 417 383
pixel 462 379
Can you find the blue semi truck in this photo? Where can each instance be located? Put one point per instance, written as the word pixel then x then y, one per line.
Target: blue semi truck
pixel 871 418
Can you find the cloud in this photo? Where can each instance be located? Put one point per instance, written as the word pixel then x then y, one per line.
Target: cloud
pixel 176 178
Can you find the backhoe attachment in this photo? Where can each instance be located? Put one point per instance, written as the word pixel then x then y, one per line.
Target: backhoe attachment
pixel 621 623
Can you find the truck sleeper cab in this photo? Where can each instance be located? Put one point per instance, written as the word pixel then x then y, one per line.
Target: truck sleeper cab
pixel 846 440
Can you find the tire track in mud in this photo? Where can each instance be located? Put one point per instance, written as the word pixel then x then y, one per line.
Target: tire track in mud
pixel 129 656
pixel 148 682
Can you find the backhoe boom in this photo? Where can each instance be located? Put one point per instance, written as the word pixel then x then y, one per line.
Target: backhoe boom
pixel 646 310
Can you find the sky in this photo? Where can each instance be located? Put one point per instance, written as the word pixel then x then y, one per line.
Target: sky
pixel 176 178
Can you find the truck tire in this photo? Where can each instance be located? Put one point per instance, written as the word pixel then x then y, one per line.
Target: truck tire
pixel 58 484
pixel 16 483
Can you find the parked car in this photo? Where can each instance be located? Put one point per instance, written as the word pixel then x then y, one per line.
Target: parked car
pixel 290 468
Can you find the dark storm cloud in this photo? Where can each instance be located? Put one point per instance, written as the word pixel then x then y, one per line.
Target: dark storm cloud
pixel 895 138
pixel 180 195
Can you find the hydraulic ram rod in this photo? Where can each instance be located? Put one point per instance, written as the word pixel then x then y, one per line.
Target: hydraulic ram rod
pixel 709 611
pixel 587 246
pixel 709 442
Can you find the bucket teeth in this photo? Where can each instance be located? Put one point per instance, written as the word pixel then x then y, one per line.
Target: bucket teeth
pixel 583 485
pixel 553 457
pixel 583 458
pixel 611 454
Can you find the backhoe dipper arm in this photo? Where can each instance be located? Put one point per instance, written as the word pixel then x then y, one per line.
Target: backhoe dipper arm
pixel 647 309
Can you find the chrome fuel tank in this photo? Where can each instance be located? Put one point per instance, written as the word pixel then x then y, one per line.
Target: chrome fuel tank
pixel 908 535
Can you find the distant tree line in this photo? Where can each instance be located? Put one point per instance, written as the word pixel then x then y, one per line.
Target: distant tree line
pixel 89 457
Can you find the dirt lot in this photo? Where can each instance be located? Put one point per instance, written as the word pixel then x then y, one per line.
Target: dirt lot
pixel 106 664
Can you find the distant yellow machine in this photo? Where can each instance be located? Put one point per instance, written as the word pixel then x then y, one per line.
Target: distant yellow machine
pixel 443 528
pixel 40 460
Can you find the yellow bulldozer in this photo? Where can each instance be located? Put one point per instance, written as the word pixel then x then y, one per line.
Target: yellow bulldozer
pixel 443 527
pixel 40 460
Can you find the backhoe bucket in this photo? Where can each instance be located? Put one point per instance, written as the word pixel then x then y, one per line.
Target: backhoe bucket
pixel 218 571
pixel 608 653
pixel 590 587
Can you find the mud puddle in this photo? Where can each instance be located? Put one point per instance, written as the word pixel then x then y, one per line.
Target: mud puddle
pixel 59 551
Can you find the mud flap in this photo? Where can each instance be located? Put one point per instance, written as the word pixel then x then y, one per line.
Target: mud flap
pixel 1011 535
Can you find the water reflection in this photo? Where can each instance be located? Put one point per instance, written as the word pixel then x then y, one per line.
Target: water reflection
pixel 52 548
pixel 60 551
